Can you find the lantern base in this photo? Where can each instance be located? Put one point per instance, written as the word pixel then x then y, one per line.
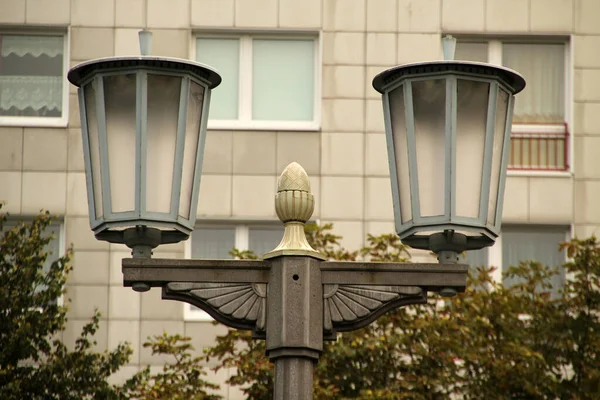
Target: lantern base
pixel 449 240
pixel 141 239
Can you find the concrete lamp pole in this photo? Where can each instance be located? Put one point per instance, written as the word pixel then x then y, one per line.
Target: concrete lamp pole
pixel 156 109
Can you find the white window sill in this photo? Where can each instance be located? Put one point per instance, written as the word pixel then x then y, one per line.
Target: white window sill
pixel 541 173
pixel 265 125
pixel 39 122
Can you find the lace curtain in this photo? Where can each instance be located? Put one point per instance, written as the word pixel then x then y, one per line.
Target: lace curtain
pixel 36 46
pixel 39 92
pixel 543 67
pixel 35 92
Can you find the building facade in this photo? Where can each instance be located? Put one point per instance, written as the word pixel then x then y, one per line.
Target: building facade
pixel 296 87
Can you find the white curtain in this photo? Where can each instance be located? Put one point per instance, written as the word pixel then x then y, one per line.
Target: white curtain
pixel 51 46
pixel 36 92
pixel 543 67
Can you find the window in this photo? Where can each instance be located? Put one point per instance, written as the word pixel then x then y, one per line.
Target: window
pixel 33 89
pixel 541 244
pixel 524 243
pixel 215 241
pixel 539 133
pixel 269 82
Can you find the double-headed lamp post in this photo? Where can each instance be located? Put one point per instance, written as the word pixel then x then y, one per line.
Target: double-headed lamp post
pixel 144 125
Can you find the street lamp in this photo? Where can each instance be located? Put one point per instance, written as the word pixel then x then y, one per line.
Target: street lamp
pixel 448 126
pixel 143 121
pixel 143 125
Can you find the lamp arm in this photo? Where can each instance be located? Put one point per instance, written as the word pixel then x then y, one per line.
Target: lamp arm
pixel 357 293
pixel 234 292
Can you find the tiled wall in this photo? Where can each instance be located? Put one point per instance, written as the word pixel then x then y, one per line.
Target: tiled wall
pixel 587 117
pixel 347 161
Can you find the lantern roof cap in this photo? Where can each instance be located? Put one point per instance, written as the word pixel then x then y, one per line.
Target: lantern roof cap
pixel 382 81
pixel 78 74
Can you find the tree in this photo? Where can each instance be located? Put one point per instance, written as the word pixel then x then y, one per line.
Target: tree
pixel 492 342
pixel 181 380
pixel 576 347
pixel 36 364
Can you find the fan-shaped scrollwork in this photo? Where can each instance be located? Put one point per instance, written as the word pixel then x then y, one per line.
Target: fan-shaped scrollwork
pixel 242 306
pixel 349 307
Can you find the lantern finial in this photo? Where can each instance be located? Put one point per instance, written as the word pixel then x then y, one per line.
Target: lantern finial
pixel 294 204
pixel 448 47
pixel 145 37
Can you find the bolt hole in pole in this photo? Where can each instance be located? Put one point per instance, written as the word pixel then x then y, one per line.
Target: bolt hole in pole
pixel 295 277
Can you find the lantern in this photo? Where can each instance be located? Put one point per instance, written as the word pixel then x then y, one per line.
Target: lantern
pixel 143 121
pixel 448 126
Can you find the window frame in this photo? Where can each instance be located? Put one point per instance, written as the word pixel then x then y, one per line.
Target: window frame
pixel 494 56
pixel 245 121
pixel 242 240
pixel 50 122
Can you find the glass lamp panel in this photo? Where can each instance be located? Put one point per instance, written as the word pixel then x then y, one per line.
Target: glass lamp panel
pixel 161 134
pixel 498 146
pixel 120 112
pixel 429 109
pixel 224 56
pixel 190 149
pixel 398 119
pixel 471 119
pixel 89 93
pixel 283 74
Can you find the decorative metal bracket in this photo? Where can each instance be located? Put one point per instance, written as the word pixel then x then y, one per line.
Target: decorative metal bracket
pixel 351 307
pixel 238 305
pixel 244 306
pixel 234 292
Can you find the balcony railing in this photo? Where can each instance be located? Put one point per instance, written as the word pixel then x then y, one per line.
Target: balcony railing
pixel 539 150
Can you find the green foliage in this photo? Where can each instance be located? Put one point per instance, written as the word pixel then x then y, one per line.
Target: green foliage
pixel 491 342
pixel 180 380
pixel 322 239
pixel 243 254
pixel 239 350
pixel 578 337
pixel 34 363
